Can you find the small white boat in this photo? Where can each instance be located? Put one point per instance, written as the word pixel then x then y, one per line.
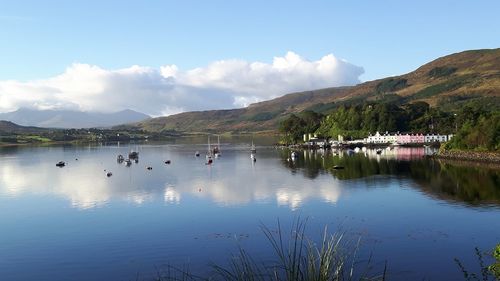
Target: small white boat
pixel 209 160
pixel 209 154
pixel 253 149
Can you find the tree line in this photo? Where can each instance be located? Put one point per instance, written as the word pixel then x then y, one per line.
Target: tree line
pixel 474 127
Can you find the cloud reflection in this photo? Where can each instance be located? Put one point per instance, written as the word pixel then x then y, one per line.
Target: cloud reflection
pixel 85 185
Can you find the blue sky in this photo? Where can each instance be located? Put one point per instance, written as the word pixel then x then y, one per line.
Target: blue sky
pixel 41 39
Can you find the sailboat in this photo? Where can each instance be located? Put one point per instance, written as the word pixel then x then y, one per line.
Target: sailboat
pixel 252 149
pixel 209 153
pixel 216 150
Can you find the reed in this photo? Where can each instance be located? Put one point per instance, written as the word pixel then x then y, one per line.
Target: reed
pixel 296 258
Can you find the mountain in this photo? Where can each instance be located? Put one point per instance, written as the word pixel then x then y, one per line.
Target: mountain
pixel 71 119
pixel 447 82
pixel 9 128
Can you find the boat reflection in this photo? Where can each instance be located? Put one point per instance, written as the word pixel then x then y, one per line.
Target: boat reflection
pixel 234 180
pixel 85 185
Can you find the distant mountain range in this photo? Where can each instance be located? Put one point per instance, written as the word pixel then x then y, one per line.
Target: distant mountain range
pixel 71 119
pixel 448 82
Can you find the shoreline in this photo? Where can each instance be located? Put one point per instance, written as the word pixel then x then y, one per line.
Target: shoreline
pixel 470 156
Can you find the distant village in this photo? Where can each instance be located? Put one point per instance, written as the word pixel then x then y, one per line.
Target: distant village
pixel 379 139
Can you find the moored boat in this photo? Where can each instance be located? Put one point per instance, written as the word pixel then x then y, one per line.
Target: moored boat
pixel 133 155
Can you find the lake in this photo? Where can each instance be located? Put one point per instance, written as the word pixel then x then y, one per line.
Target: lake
pixel 75 223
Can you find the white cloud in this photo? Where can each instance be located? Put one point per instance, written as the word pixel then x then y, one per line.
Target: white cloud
pixel 168 90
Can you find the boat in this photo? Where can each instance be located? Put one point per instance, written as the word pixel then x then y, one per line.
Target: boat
pixel 338 167
pixel 294 155
pixel 133 155
pixel 61 164
pixel 209 153
pixel 379 151
pixel 109 174
pixel 167 162
pixel 216 150
pixel 120 158
pixel 197 154
pixel 128 162
pixel 253 149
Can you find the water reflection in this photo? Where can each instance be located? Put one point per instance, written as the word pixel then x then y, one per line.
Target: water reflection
pixel 451 181
pixel 234 179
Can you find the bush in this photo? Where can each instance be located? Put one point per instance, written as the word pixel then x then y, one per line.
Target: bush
pixel 442 71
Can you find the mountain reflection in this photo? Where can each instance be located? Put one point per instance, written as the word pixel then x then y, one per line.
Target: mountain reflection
pixel 233 180
pixel 451 181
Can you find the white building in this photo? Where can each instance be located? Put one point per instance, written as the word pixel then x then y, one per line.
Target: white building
pixel 381 138
pixel 405 138
pixel 429 138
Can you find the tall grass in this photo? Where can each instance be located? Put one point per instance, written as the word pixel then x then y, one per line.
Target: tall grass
pixel 296 258
pixel 487 272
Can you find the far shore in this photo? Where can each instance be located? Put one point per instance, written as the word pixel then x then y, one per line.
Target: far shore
pixel 483 157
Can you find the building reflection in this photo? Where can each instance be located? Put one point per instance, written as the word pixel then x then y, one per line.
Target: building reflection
pixel 451 181
pixel 283 181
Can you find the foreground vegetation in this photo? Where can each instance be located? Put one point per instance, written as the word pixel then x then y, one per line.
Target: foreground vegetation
pixel 487 272
pixel 297 258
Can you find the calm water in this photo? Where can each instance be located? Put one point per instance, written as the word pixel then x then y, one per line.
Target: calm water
pixel 74 223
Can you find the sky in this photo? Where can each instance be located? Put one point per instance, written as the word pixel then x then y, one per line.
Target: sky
pixel 164 57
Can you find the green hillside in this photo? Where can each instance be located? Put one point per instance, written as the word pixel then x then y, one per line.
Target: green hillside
pixel 448 83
